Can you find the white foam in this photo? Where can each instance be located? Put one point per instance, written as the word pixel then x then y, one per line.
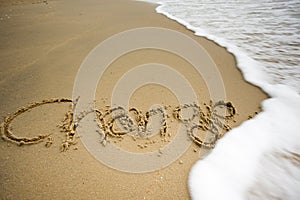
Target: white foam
pixel 260 158
pixel 230 171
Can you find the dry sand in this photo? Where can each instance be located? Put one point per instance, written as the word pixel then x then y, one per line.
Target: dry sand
pixel 42 47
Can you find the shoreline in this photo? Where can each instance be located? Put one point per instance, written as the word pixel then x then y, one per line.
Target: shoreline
pixel 44 73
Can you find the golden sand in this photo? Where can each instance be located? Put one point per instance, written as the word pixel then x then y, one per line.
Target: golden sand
pixel 42 47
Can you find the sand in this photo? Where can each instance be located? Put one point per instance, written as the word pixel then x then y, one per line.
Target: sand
pixel 42 47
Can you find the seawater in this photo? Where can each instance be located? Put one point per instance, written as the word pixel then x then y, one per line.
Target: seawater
pixel 260 159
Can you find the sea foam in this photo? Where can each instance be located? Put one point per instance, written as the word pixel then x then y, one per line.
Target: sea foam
pixel 256 160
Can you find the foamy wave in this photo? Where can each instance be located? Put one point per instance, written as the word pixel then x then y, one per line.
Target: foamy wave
pixel 257 160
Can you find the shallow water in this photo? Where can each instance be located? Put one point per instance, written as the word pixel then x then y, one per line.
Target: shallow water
pixel 267 31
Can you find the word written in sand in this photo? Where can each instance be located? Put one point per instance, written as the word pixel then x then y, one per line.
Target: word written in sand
pixel 117 122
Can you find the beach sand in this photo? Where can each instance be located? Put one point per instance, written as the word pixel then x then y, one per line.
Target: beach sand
pixel 42 47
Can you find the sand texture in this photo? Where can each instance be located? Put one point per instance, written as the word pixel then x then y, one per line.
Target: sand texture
pixel 42 46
